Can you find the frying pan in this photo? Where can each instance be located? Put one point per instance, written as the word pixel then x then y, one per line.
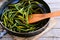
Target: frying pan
pixel 42 27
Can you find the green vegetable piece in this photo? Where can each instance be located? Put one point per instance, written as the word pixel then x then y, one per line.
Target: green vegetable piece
pixel 21 10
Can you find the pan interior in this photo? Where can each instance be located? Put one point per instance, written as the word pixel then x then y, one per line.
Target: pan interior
pixel 40 23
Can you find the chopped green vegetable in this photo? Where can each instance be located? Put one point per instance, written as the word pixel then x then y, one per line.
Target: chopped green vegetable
pixel 15 17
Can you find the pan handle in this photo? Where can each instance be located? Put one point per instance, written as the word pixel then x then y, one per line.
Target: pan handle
pixel 3 32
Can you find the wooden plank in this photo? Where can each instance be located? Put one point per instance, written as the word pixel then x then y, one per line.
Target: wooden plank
pixel 49 39
pixel 54 9
pixel 52 1
pixel 46 39
pixel 53 33
pixel 57 6
pixel 7 36
pixel 57 26
pixel 6 39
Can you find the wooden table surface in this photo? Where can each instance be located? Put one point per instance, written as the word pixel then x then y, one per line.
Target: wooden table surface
pixel 54 33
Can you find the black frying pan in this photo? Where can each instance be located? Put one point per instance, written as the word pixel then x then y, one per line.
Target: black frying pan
pixel 41 28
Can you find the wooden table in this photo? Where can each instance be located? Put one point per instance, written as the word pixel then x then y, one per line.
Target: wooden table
pixel 54 33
